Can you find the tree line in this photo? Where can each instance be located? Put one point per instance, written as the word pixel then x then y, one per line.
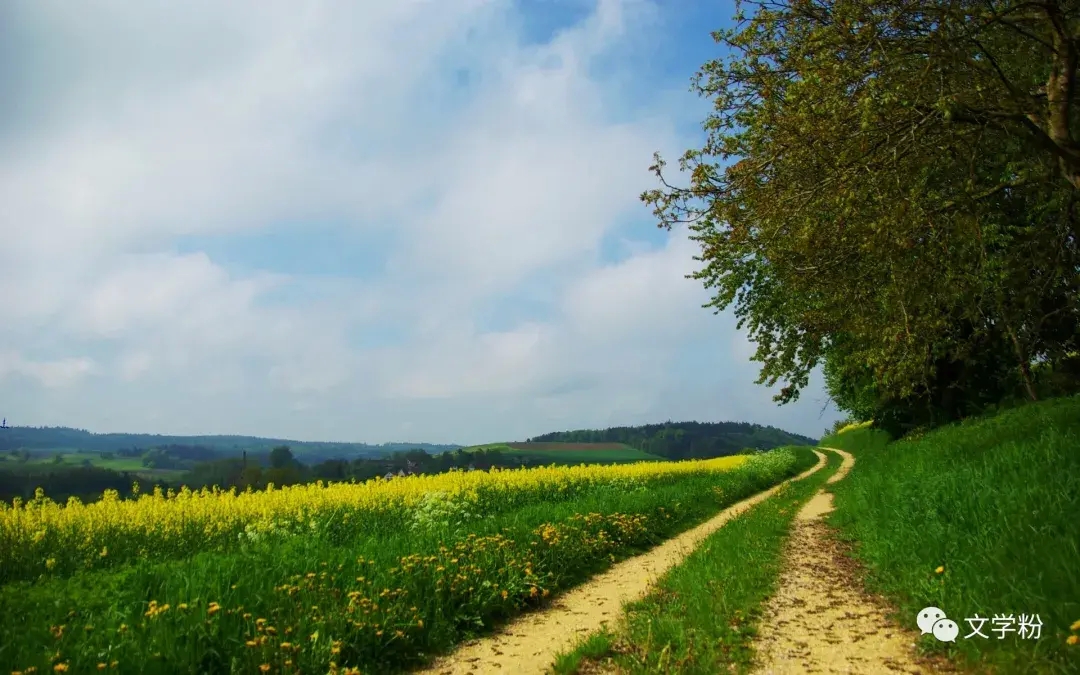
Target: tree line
pixel 280 467
pixel 685 440
pixel 888 191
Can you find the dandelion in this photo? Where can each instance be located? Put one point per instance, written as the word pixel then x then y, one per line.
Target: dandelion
pixel 213 609
pixel 940 569
pixel 60 668
pixel 265 667
pixel 1072 639
pixel 1075 626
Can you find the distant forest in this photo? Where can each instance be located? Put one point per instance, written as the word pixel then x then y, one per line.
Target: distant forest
pixel 685 440
pixel 61 438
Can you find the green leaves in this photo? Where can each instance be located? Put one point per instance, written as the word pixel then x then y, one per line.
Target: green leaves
pixel 871 171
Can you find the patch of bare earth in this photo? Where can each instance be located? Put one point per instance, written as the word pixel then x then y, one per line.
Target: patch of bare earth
pixel 820 620
pixel 531 643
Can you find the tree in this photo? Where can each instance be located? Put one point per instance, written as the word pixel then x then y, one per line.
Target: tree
pixel 905 180
pixel 281 457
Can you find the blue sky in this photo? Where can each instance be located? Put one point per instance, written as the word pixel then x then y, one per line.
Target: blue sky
pixel 359 221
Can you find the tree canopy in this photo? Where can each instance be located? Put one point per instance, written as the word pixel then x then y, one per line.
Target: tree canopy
pixel 890 187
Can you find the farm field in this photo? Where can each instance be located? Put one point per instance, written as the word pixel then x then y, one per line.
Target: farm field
pixel 130 464
pixel 571 453
pixel 380 575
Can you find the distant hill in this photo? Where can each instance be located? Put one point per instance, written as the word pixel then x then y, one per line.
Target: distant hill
pixel 566 453
pixel 65 438
pixel 683 440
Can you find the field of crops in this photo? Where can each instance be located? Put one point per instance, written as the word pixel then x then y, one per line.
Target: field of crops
pixel 318 578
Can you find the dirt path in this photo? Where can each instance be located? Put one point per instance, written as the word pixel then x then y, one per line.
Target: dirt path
pixel 531 643
pixel 820 621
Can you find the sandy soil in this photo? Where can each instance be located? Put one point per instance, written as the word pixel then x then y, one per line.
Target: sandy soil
pixel 531 643
pixel 820 620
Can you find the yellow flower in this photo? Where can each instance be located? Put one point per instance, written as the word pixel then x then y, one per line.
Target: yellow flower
pixel 1072 639
pixel 102 666
pixel 60 668
pixel 1075 625
pixel 940 569
pixel 213 609
pixel 265 667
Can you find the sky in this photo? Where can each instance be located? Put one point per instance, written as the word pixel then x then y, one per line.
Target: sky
pixel 357 221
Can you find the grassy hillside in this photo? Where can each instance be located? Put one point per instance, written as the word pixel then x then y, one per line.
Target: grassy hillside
pixel 977 518
pixel 682 440
pixel 569 453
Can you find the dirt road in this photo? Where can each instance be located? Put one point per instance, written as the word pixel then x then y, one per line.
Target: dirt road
pixel 820 621
pixel 531 643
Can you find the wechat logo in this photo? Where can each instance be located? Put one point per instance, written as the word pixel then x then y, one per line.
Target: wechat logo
pixel 933 621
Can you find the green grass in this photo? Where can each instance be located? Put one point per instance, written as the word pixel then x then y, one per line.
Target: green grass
pixel 996 502
pixel 385 600
pixel 571 453
pixel 701 616
pixel 76 459
pixel 585 456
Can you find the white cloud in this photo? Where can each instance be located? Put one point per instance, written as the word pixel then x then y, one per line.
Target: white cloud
pixel 495 166
pixel 55 374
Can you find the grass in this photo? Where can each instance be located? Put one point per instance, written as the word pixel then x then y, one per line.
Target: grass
pixel 701 616
pixel 379 601
pixel 993 502
pixel 120 464
pixel 571 453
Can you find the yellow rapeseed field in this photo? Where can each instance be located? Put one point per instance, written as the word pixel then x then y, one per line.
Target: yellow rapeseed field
pixel 42 536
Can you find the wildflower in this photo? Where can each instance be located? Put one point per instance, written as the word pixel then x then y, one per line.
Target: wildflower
pixel 213 609
pixel 1072 639
pixel 60 668
pixel 251 643
pixel 940 569
pixel 1075 626
pixel 102 666
pixel 265 667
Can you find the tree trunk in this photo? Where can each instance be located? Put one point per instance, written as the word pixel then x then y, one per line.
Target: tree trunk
pixel 1025 365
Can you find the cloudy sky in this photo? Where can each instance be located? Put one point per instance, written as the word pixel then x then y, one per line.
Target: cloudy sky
pixel 348 220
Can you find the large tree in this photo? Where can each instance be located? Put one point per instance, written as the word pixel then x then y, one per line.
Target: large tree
pixel 902 174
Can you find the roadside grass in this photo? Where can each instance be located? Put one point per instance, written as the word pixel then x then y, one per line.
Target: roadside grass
pixel 701 616
pixel 995 503
pixel 380 603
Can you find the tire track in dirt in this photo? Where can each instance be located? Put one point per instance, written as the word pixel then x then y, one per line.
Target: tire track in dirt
pixel 820 620
pixel 531 642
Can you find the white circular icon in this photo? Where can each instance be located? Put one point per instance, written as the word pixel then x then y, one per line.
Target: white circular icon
pixel 927 618
pixel 946 630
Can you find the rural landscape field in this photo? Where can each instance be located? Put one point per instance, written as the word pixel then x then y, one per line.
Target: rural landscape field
pixel 370 576
pixel 462 337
